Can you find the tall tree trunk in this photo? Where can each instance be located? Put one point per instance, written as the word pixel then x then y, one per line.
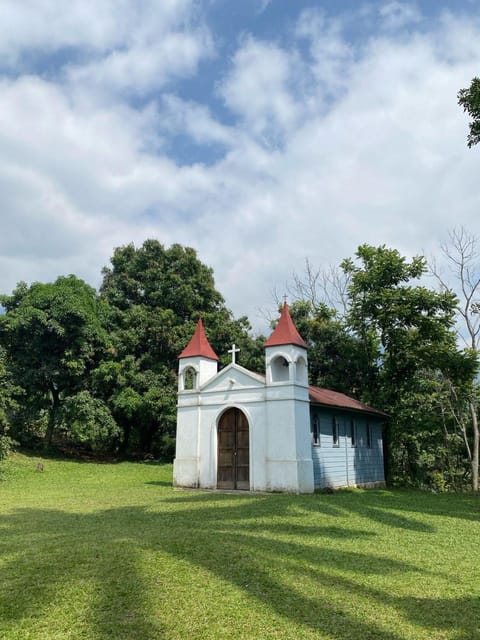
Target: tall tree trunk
pixel 146 437
pixel 126 436
pixel 476 444
pixel 52 414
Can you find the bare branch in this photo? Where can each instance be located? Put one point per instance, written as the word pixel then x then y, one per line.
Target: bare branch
pixel 462 255
pixel 328 285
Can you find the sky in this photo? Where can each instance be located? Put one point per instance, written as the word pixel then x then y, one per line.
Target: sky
pixel 260 132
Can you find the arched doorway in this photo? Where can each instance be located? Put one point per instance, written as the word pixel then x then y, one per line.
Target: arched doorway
pixel 233 470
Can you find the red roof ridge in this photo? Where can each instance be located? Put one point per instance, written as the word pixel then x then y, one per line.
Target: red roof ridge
pixel 285 332
pixel 199 345
pixel 340 400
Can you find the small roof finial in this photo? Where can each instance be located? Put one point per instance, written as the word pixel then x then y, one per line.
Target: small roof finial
pixel 284 299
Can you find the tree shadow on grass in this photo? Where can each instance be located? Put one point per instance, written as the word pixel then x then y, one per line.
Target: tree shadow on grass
pixel 256 544
pixel 375 502
pixel 458 615
pixel 405 509
pixel 82 554
pixel 61 550
pixel 159 483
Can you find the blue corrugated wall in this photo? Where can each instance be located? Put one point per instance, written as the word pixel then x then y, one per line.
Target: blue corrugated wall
pixel 346 465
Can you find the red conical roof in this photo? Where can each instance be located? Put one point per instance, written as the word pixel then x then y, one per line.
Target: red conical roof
pixel 199 345
pixel 285 331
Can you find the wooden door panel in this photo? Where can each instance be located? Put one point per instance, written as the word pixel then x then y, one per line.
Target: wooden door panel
pixel 242 458
pixel 233 451
pixel 226 448
pixel 242 439
pixel 225 458
pixel 228 440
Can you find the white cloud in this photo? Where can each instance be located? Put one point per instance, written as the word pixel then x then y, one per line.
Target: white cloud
pixel 456 41
pixel 396 15
pixel 196 121
pixel 386 165
pixel 331 53
pixel 257 88
pixel 373 148
pixel 145 67
pixel 120 47
pixel 49 26
pixel 263 5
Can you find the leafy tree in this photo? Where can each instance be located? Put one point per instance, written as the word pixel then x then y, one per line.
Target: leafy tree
pixel 87 420
pixel 223 330
pixel 469 99
pixel 155 277
pixel 7 405
pixel 409 338
pixel 157 295
pixel 142 401
pixel 53 335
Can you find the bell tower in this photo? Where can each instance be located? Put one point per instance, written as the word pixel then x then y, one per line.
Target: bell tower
pixel 198 363
pixel 289 460
pixel 286 353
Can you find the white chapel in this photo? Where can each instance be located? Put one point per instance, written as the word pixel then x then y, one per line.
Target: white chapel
pixel 237 429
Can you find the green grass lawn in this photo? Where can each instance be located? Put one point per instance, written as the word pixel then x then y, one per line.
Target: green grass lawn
pixel 112 551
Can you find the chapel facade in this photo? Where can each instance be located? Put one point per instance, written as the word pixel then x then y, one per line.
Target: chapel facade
pixel 240 430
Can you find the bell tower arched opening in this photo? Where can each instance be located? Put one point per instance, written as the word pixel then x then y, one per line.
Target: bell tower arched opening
pixel 301 371
pixel 189 379
pixel 279 368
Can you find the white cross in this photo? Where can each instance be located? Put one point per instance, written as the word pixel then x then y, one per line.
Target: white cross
pixel 233 351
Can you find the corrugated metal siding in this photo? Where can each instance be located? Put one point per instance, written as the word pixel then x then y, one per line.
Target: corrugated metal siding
pixel 344 465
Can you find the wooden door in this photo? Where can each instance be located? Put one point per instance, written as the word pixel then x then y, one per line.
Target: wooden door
pixel 233 451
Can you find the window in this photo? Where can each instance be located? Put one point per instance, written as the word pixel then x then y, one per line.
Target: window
pixel 335 433
pixel 353 433
pixel 369 435
pixel 315 431
pixel 190 379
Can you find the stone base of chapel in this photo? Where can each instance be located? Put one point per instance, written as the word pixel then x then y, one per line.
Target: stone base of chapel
pixel 289 476
pixel 185 472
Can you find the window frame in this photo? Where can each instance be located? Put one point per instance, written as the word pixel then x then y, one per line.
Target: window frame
pixel 316 431
pixel 335 432
pixel 353 433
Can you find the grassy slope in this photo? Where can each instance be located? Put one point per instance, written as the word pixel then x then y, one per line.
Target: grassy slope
pixel 111 551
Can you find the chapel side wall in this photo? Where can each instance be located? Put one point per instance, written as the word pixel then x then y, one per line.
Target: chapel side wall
pixel 368 461
pixel 280 458
pixel 329 461
pixel 303 445
pixel 347 465
pixel 288 460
